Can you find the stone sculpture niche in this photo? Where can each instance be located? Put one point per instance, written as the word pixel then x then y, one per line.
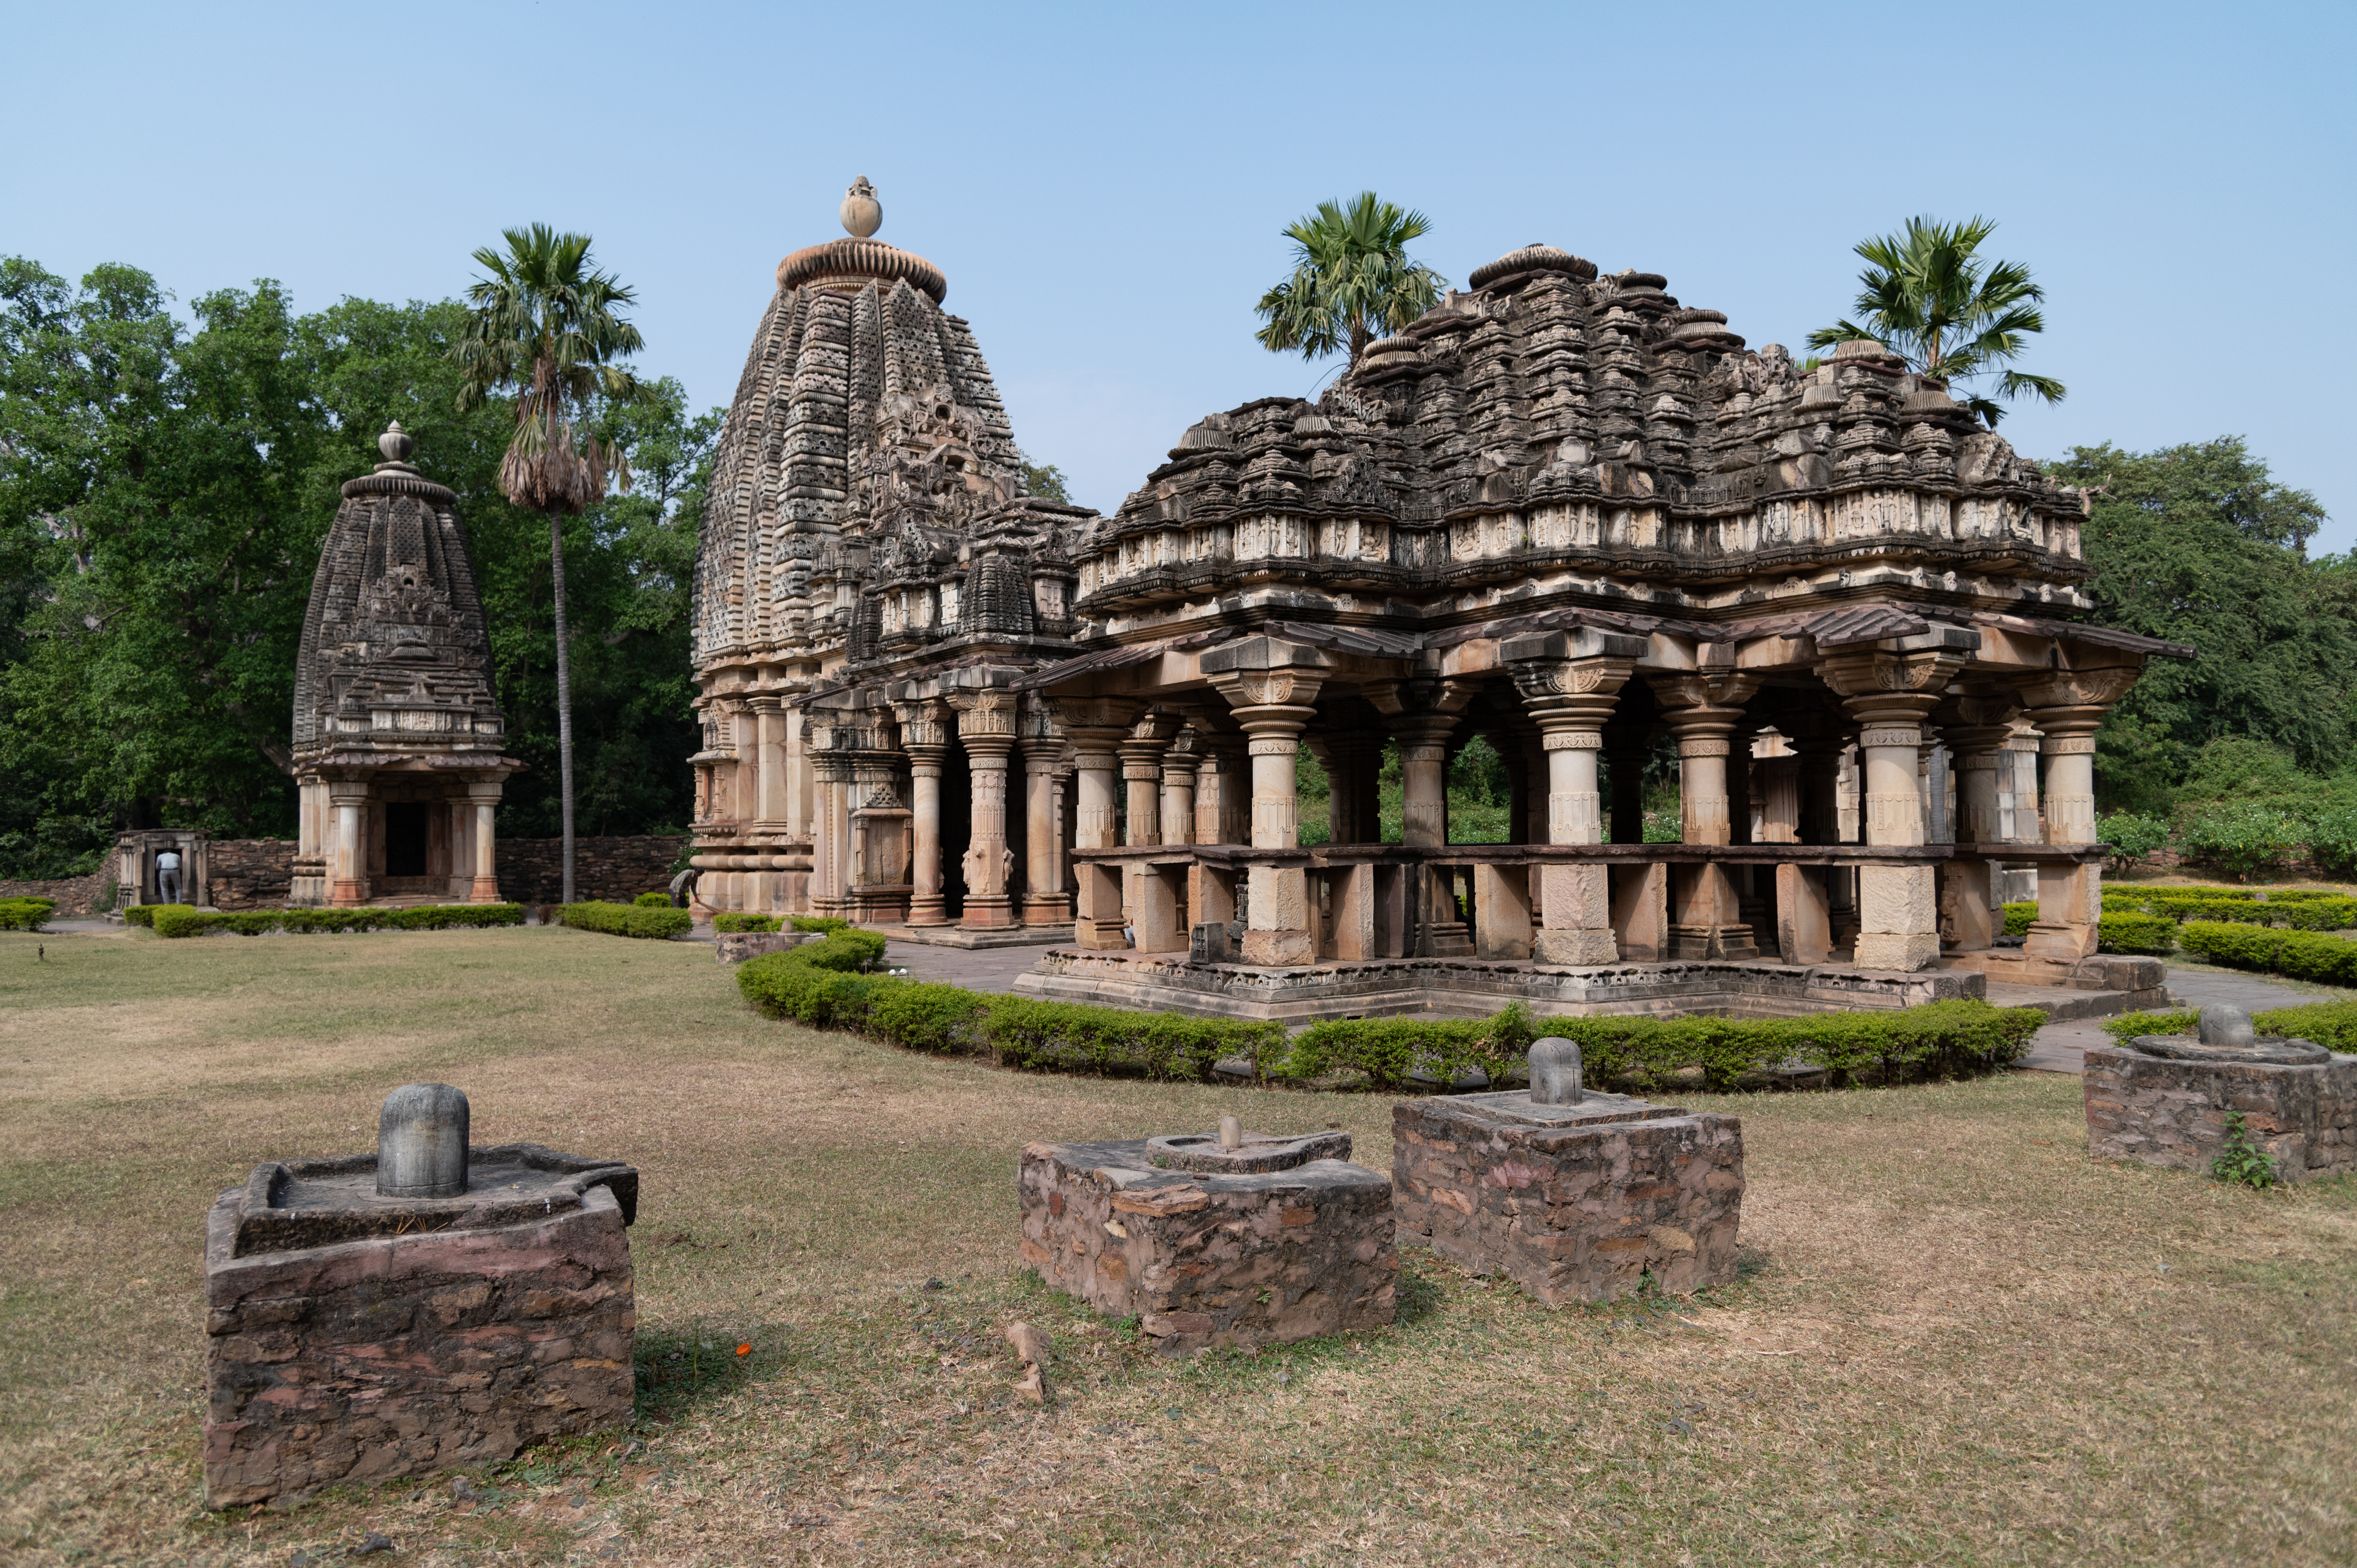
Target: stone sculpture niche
pixel 2165 1099
pixel 425 1306
pixel 1576 1196
pixel 1232 1239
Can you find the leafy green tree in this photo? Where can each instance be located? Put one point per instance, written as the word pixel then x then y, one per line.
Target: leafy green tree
pixel 545 327
pixel 2199 544
pixel 1046 481
pixel 1929 296
pixel 1353 281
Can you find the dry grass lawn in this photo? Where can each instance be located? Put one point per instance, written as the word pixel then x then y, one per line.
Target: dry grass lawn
pixel 1957 1339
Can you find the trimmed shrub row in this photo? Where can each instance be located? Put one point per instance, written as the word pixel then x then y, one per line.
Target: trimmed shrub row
pixel 652 901
pixel 627 919
pixel 732 922
pixel 186 920
pixel 729 922
pixel 2314 912
pixel 2302 955
pixel 25 914
pixel 2332 1025
pixel 1943 1039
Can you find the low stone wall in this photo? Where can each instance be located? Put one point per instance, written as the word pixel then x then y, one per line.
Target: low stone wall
pixel 1204 1260
pixel 617 869
pixel 2173 1114
pixel 1472 988
pixel 364 1361
pixel 1576 1212
pixel 249 873
pixel 75 894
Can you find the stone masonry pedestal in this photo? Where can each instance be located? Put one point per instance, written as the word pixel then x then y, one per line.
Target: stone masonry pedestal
pixel 1573 1202
pixel 354 1338
pixel 1207 1258
pixel 2164 1100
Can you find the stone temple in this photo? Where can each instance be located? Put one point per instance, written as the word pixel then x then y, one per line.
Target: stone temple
pixel 1562 511
pixel 397 731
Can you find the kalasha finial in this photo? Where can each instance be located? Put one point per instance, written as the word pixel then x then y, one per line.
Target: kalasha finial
pixel 862 213
pixel 395 444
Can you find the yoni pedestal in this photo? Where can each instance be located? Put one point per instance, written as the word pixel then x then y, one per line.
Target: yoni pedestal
pixel 1275 1241
pixel 1576 1201
pixel 356 1337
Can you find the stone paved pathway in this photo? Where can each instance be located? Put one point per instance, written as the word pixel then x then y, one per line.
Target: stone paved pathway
pixel 976 968
pixel 2062 1047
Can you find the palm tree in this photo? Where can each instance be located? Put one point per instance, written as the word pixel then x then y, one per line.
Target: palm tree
pixel 544 325
pixel 1351 281
pixel 1930 298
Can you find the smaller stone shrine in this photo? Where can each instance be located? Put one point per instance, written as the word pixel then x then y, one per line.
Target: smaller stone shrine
pixel 425 1307
pixel 2165 1099
pixel 1575 1196
pixel 1232 1239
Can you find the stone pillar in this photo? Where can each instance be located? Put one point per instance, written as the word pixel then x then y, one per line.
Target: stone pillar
pixel 485 798
pixel 1270 686
pixel 1704 711
pixel 2068 708
pixel 1889 694
pixel 769 761
pixel 925 736
pixel 1420 713
pixel 1570 683
pixel 1977 734
pixel 830 837
pixel 986 726
pixel 1095 728
pixel 1045 901
pixel 348 874
pixel 1177 808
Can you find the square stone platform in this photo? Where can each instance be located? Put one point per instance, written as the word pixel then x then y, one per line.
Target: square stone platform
pixel 1205 1259
pixel 353 1338
pixel 2173 1114
pixel 1571 1202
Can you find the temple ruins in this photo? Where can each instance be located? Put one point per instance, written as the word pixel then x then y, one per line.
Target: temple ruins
pixel 1561 511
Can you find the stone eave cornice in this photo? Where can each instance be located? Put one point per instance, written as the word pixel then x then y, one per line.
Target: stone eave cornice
pixel 397 484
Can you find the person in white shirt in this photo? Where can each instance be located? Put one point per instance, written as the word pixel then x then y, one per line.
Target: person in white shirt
pixel 168 876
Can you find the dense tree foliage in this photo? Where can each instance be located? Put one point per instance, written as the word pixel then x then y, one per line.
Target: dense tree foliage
pixel 2200 545
pixel 165 488
pixel 1352 281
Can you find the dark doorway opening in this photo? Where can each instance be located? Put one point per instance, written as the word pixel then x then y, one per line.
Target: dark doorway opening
pixel 957 828
pixel 405 838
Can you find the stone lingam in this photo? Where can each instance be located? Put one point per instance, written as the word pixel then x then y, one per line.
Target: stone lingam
pixel 1574 1195
pixel 2165 1099
pixel 428 1305
pixel 1229 1238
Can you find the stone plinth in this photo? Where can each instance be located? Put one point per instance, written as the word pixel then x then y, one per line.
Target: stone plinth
pixel 1572 1202
pixel 1207 1258
pixel 354 1338
pixel 2168 1110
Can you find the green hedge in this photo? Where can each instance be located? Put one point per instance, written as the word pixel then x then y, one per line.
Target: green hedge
pixel 2332 1025
pixel 2302 910
pixel 2302 955
pixel 2150 934
pixel 144 914
pixel 1943 1039
pixel 652 901
pixel 182 920
pixel 731 923
pixel 825 925
pixel 2018 918
pixel 25 914
pixel 627 919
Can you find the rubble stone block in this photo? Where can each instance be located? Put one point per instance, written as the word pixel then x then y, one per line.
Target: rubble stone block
pixel 1207 1258
pixel 1572 1202
pixel 2172 1113
pixel 339 1351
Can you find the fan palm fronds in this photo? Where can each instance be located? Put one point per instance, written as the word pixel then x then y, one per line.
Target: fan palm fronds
pixel 1353 281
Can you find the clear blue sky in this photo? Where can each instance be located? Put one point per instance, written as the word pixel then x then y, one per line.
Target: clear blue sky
pixel 1105 185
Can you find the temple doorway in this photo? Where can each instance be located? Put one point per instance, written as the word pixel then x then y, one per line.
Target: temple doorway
pixel 405 838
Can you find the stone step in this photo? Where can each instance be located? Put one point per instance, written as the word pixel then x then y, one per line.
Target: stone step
pixel 2061 1003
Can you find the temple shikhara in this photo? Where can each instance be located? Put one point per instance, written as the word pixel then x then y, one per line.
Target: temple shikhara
pixel 397 731
pixel 1561 511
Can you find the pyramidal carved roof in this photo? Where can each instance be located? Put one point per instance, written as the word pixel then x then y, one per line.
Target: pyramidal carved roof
pixel 866 411
pixel 1628 434
pixel 395 663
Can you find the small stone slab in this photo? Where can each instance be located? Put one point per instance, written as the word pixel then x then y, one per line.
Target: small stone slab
pixel 1204 1259
pixel 2269 1050
pixel 1259 1151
